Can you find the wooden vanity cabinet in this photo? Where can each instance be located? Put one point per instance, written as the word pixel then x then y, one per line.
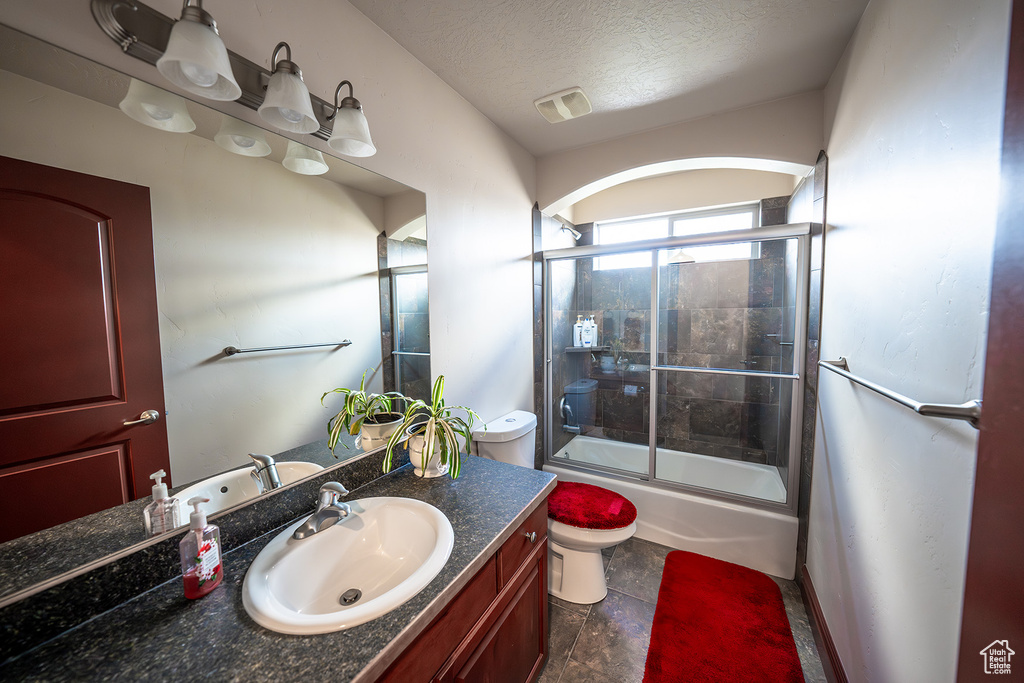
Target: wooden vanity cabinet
pixel 496 629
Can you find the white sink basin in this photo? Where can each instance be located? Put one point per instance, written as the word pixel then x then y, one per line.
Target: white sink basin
pixel 388 548
pixel 237 486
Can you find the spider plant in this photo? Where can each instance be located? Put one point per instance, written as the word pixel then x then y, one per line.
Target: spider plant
pixel 439 427
pixel 360 408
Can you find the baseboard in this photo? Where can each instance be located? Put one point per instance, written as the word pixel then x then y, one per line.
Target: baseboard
pixel 819 627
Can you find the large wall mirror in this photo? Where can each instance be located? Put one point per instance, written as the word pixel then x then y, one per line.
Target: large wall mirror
pixel 247 253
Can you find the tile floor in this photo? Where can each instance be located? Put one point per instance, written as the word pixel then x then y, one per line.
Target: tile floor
pixel 607 642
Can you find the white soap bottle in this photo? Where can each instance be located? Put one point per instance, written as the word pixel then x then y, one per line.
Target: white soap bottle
pixel 162 514
pixel 587 334
pixel 577 332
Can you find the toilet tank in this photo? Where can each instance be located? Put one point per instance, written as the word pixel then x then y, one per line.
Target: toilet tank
pixel 509 438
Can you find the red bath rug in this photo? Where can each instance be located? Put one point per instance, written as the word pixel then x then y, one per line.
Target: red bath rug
pixel 586 506
pixel 719 622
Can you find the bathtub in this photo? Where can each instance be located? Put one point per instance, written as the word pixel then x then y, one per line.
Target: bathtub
pixel 752 537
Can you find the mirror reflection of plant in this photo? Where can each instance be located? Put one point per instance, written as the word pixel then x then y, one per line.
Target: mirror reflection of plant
pixel 439 426
pixel 360 406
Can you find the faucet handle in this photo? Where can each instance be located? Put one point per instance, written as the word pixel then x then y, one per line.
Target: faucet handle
pixel 330 493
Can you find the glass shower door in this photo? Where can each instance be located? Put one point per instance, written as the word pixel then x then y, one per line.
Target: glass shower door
pixel 724 379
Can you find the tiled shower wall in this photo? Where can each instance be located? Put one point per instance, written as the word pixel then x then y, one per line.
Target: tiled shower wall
pixel 714 315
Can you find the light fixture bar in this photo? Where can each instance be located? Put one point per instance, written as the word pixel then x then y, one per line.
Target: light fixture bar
pixel 143 33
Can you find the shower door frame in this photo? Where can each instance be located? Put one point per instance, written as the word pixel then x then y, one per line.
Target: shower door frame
pixel 801 232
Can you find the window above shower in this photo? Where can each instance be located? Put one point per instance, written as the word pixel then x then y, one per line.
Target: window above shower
pixel 697 222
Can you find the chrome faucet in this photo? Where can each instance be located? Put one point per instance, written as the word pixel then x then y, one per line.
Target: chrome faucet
pixel 328 511
pixel 264 473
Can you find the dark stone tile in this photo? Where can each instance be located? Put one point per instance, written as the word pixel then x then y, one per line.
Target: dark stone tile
pixel 716 421
pixel 688 384
pixel 674 417
pixel 619 411
pixel 615 637
pixel 814 306
pixel 698 286
pixel 564 626
pixel 569 606
pixel 717 330
pixel 800 625
pixel 575 672
pixel 636 569
pixel 759 323
pixel 733 284
pixel 760 426
pixel 674 335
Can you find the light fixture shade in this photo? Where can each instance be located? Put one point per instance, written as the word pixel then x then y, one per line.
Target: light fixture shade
pixel 197 61
pixel 351 134
pixel 287 105
pixel 156 108
pixel 241 138
pixel 304 160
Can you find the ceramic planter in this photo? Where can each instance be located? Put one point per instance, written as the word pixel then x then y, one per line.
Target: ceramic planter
pixel 434 466
pixel 376 434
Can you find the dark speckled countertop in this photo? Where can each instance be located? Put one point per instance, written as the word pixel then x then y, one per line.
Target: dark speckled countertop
pixel 161 636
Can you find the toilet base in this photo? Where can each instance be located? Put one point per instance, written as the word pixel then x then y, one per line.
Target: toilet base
pixel 575 564
pixel 576 575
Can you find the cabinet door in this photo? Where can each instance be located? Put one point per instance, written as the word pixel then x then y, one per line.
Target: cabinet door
pixel 513 650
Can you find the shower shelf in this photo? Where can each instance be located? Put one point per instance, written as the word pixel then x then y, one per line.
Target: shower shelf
pixel 584 349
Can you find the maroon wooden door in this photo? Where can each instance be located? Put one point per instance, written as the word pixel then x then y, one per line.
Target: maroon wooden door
pixel 994 591
pixel 79 346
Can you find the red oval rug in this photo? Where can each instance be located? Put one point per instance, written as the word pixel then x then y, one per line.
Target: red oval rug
pixel 719 622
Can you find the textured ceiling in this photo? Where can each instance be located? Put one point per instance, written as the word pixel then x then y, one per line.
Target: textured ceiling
pixel 643 64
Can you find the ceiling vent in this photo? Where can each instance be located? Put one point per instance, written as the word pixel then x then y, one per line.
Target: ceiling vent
pixel 562 106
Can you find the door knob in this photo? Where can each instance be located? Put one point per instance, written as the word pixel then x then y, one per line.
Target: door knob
pixel 148 417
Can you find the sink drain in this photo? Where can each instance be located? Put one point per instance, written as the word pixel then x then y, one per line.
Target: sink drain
pixel 351 596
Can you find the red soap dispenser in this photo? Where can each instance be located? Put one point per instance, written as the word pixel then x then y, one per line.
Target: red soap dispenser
pixel 200 553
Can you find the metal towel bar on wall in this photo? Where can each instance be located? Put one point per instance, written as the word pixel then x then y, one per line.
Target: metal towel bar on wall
pixel 232 350
pixel 970 411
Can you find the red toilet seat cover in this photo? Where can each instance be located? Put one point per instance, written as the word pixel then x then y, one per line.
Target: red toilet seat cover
pixel 589 507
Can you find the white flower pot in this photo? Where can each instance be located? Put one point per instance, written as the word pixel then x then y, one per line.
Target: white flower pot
pixel 375 435
pixel 434 466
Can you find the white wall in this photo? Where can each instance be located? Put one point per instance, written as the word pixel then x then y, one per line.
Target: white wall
pixel 787 132
pixel 479 183
pixel 681 191
pixel 236 265
pixel 914 117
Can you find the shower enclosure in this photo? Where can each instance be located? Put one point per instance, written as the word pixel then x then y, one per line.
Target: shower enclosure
pixel 693 381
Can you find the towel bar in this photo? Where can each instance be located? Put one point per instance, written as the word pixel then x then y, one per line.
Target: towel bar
pixel 232 350
pixel 970 411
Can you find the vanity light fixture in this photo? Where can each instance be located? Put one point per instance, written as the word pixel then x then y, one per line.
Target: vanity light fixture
pixel 239 137
pixel 156 108
pixel 351 133
pixel 304 160
pixel 287 105
pixel 196 59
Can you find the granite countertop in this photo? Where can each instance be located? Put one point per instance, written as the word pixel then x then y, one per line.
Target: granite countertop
pixel 160 635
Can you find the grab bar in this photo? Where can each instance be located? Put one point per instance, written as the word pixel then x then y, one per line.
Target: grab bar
pixel 970 411
pixel 232 350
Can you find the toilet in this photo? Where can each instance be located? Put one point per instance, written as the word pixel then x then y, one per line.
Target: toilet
pixel 582 519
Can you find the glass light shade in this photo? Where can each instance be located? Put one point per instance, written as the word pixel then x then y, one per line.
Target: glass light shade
pixel 287 104
pixel 241 138
pixel 156 108
pixel 197 61
pixel 351 134
pixel 304 160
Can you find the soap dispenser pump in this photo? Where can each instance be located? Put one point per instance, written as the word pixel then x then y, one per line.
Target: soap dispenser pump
pixel 162 514
pixel 200 553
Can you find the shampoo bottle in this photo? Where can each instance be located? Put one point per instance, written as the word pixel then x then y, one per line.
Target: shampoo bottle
pixel 162 514
pixel 588 332
pixel 577 332
pixel 200 553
